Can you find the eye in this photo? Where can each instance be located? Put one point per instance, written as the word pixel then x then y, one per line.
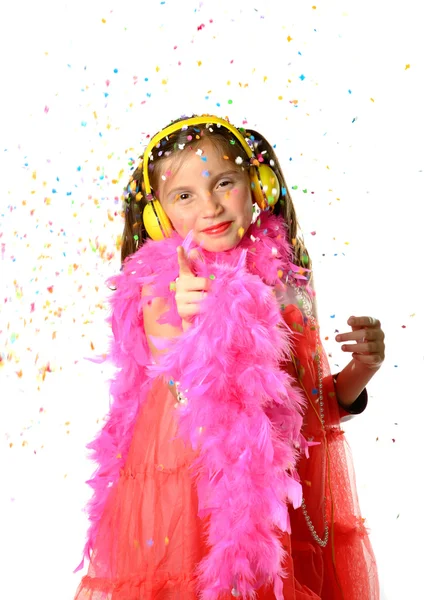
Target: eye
pixel 226 181
pixel 180 197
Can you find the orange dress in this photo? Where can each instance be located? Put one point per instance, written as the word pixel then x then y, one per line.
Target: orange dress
pixel 150 537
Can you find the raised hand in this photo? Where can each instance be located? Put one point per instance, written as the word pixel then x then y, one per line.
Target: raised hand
pixel 190 290
pixel 369 337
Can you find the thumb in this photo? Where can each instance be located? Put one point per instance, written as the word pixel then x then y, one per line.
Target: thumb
pixel 183 263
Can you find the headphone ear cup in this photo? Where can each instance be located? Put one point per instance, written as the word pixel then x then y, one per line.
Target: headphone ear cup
pixel 156 222
pixel 255 185
pixel 266 187
pixel 270 184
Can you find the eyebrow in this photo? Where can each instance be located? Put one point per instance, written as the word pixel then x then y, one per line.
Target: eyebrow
pixel 214 178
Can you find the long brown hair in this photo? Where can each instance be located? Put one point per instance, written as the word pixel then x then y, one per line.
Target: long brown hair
pixel 134 233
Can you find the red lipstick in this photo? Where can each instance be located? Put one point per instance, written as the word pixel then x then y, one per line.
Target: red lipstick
pixel 217 229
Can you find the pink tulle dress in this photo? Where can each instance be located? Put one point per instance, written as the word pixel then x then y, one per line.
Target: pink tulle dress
pixel 150 537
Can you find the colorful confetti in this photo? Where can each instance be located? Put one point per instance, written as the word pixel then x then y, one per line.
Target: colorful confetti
pixel 74 125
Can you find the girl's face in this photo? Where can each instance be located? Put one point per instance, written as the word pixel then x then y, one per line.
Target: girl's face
pixel 207 191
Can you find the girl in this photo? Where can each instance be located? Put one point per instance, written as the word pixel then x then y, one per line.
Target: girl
pixel 223 471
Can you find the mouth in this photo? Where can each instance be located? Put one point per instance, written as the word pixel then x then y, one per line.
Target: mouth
pixel 217 229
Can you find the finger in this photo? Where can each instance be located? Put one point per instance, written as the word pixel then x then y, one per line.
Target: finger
pixel 188 298
pixel 195 284
pixel 357 335
pixel 191 310
pixel 363 322
pixel 183 263
pixel 372 360
pixel 368 347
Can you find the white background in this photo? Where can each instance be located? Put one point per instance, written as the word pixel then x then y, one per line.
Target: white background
pixel 338 89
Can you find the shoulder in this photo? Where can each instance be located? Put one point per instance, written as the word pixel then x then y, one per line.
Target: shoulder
pixel 152 304
pixel 313 296
pixel 287 294
pixel 158 324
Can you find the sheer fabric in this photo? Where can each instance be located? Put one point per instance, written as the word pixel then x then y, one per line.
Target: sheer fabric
pixel 150 538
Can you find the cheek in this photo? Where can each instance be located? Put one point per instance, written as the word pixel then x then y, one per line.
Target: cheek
pixel 239 196
pixel 241 203
pixel 181 223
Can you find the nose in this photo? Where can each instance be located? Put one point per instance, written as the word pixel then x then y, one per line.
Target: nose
pixel 211 205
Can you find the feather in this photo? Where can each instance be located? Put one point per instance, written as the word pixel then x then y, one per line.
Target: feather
pixel 243 414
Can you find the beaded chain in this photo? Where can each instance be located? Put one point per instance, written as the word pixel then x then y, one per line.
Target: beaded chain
pixel 307 306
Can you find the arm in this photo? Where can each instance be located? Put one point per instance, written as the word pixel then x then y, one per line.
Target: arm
pixel 349 384
pixel 151 314
pixel 356 408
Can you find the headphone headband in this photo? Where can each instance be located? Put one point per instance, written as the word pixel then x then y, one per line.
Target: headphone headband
pixel 264 182
pixel 206 119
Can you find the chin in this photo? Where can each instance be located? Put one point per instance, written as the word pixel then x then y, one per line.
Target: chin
pixel 219 245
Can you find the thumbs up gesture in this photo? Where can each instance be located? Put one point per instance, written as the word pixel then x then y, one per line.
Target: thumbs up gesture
pixel 190 290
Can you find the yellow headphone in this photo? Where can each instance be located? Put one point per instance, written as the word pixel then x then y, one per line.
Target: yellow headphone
pixel 265 188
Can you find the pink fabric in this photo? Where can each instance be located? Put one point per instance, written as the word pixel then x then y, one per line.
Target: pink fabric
pixel 242 422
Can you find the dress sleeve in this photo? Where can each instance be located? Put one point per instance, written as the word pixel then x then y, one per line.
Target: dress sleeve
pixel 358 406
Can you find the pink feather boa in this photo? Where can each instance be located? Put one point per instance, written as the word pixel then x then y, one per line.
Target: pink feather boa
pixel 243 414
